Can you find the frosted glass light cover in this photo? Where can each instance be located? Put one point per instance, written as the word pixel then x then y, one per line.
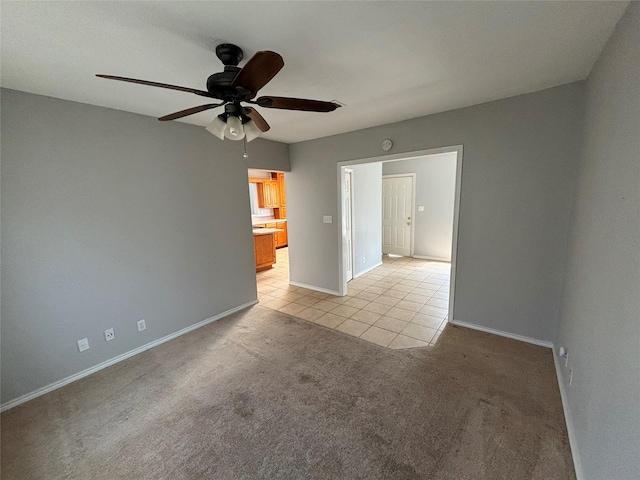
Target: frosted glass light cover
pixel 251 130
pixel 234 130
pixel 217 127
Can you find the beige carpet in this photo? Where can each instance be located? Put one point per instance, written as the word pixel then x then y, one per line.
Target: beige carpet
pixel 261 395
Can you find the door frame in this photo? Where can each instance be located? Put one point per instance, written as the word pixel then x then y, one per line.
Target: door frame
pixel 347 170
pixel 413 206
pixel 456 210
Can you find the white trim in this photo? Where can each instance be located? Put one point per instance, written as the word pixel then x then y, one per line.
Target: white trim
pixel 342 273
pixel 456 220
pixel 349 171
pixel 412 234
pixel 573 443
pixel 522 338
pixel 77 376
pixel 368 269
pixel 317 289
pixel 435 259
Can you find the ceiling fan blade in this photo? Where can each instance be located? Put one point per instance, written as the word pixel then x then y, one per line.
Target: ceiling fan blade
pixel 288 103
pixel 260 122
pixel 258 71
pixel 156 84
pixel 189 111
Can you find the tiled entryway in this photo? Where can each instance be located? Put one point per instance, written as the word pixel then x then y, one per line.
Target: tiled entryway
pixel 401 304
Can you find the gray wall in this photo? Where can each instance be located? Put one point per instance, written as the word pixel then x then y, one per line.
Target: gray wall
pixel 108 218
pixel 266 155
pixel 367 216
pixel 519 163
pixel 600 322
pixel 435 190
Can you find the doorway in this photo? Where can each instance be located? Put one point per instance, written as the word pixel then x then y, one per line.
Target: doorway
pixel 267 199
pixel 401 210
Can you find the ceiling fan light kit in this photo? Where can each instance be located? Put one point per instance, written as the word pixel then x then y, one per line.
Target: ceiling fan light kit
pixel 217 127
pixel 235 86
pixel 251 131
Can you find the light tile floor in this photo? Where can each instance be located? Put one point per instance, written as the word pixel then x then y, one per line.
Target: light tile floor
pixel 401 304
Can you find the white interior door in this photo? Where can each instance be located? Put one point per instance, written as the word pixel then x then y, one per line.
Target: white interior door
pixel 397 211
pixel 348 224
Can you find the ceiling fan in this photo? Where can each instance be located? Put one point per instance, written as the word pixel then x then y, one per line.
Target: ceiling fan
pixel 235 86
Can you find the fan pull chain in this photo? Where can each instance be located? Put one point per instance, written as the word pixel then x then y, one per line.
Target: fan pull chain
pixel 245 154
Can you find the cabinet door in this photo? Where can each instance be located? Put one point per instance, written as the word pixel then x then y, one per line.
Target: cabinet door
pixel 282 190
pixel 261 194
pixel 273 187
pixel 268 195
pixel 282 236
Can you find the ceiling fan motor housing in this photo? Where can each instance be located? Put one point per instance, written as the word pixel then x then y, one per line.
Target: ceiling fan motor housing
pixel 219 84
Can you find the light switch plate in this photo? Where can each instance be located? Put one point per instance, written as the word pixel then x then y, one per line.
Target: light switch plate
pixel 327 219
pixel 421 208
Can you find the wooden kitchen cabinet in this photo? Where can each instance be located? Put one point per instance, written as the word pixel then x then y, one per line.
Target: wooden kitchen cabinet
pixel 282 237
pixel 272 193
pixel 281 212
pixel 282 190
pixel 268 194
pixel 264 247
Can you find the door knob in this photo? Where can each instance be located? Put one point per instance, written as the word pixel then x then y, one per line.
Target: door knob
pixel 408 223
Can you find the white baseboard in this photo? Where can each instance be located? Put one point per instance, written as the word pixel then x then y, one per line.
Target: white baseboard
pixel 312 287
pixel 65 381
pixel 522 338
pixel 368 269
pixel 435 259
pixel 573 444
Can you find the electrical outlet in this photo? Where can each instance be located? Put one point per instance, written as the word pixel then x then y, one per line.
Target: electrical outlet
pixel 109 334
pixel 83 344
pixel 142 325
pixel 564 353
pixel 364 259
pixel 327 219
pixel 421 208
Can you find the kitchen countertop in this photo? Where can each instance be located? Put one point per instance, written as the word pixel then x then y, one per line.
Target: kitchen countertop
pixel 266 231
pixel 264 222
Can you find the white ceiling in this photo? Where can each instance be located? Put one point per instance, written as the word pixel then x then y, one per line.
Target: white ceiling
pixel 387 61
